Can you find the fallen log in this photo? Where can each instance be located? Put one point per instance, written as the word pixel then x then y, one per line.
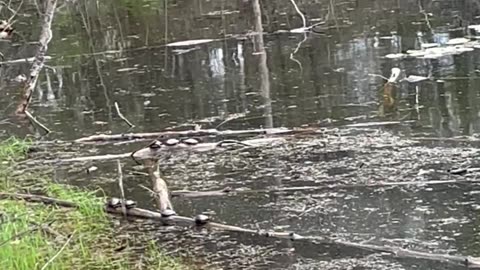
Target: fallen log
pixel 469 262
pixel 190 133
pixel 149 153
pixel 145 214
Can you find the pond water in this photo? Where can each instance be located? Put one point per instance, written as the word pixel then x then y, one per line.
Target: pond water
pixel 115 51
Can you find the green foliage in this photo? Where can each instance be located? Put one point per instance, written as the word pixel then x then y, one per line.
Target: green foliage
pixel 13 148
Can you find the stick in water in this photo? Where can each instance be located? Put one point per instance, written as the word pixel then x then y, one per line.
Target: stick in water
pixel 35 121
pixel 120 184
pixel 123 117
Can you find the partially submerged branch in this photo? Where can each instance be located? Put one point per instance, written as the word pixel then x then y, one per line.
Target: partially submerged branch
pixel 36 122
pixel 38 63
pixel 122 116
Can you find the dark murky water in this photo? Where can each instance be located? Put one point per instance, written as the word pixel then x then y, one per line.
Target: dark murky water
pixel 114 52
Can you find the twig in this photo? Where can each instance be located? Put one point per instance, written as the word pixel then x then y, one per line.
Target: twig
pixel 35 121
pixel 425 14
pixel 123 117
pixel 37 198
pixel 292 55
pixel 148 189
pixel 120 185
pixel 15 12
pixel 378 75
pixel 60 251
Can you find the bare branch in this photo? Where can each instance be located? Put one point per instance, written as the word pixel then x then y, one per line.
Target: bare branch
pixel 123 117
pixel 120 184
pixel 60 251
pixel 35 121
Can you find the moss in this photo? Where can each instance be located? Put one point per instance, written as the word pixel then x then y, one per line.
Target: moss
pixel 32 233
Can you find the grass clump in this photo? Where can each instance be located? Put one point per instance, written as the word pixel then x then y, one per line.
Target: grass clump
pixel 33 233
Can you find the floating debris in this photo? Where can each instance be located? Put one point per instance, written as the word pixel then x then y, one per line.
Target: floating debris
pixel 192 42
pixel 434 51
pixel 458 41
pixel 374 124
pixel 429 45
pixel 396 55
pixel 126 69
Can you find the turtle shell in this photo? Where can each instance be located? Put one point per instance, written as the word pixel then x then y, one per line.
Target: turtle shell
pixel 130 204
pixel 155 145
pixel 168 213
pixel 202 219
pixel 114 202
pixel 171 142
pixel 190 141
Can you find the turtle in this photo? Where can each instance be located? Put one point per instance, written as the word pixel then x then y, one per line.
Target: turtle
pixel 168 213
pixel 171 142
pixel 129 204
pixel 155 145
pixel 190 141
pixel 201 219
pixel 116 203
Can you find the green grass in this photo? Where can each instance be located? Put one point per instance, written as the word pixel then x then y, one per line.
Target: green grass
pixel 26 244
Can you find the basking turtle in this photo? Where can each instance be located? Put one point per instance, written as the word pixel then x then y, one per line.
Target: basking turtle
pixel 155 145
pixel 116 203
pixel 168 213
pixel 190 141
pixel 201 219
pixel 171 142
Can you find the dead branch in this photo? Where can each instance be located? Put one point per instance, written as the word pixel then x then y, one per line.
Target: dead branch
pixel 120 185
pixel 304 20
pixel 37 198
pixel 191 133
pixel 59 251
pixel 45 37
pixel 35 121
pixel 23 60
pixel 194 194
pixel 122 116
